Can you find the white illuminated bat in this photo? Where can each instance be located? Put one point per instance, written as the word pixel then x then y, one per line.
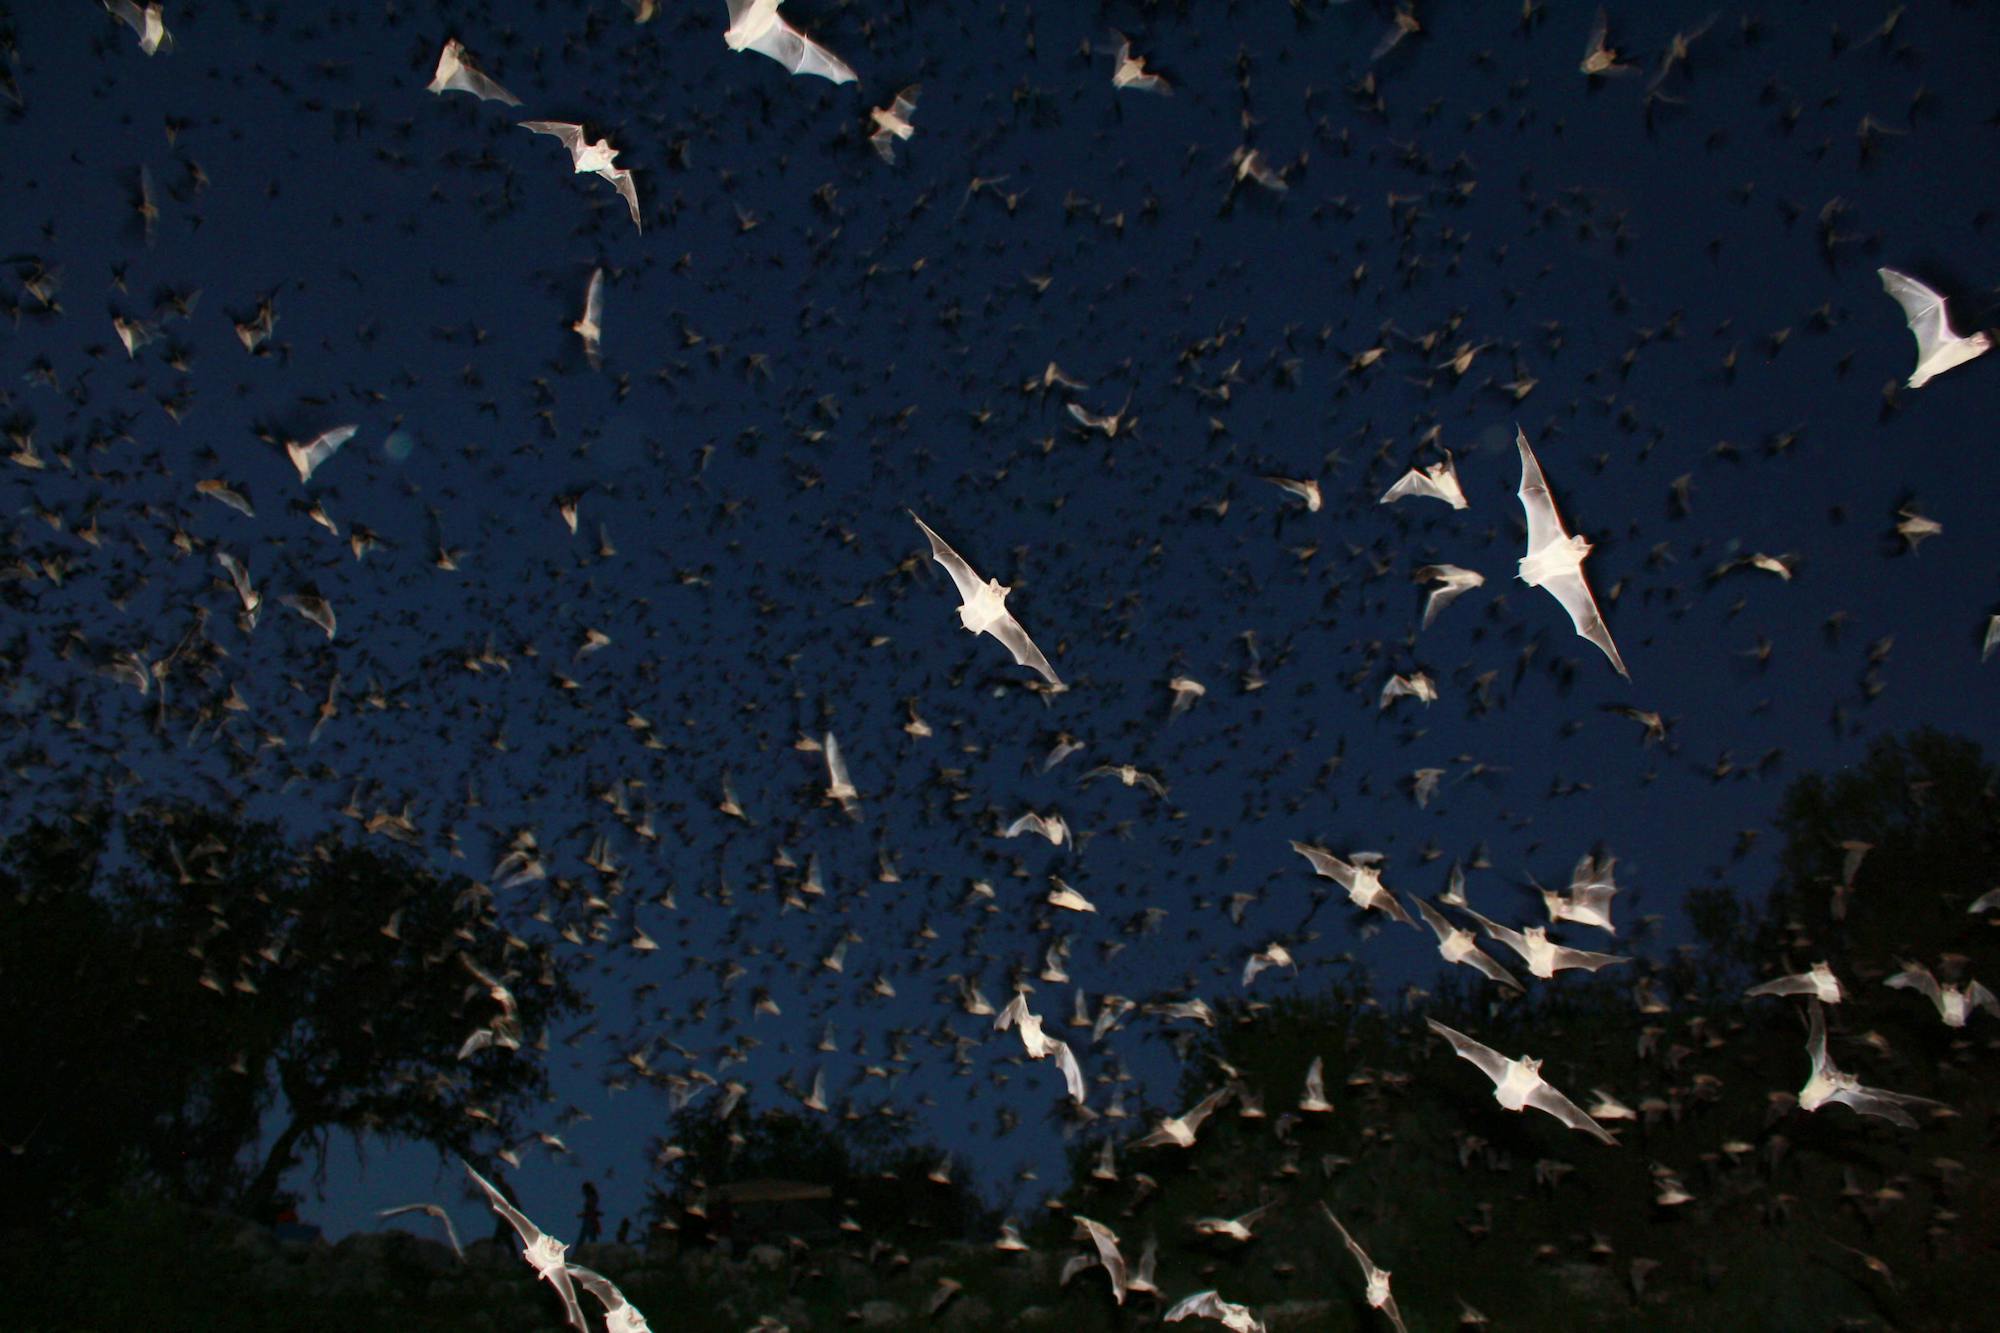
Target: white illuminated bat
pixel 1938 348
pixel 983 608
pixel 456 73
pixel 1518 1084
pixel 1555 559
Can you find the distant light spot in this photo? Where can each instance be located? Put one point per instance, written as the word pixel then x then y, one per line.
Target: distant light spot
pixel 398 445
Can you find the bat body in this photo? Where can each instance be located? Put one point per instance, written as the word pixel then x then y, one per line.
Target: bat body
pixel 1555 559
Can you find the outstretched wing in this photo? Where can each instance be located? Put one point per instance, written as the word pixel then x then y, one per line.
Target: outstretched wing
pixel 526 1230
pixel 1802 984
pixel 1574 594
pixel 571 135
pixel 1585 959
pixel 1071 1071
pixel 1918 978
pixel 1106 1241
pixel 308 457
pixel 1922 308
pixel 799 53
pixel 1544 524
pixel 1360 1255
pixel 1434 919
pixel 621 180
pixel 1008 630
pixel 905 104
pixel 968 583
pixel 1546 1098
pixel 1489 1061
pixel 1513 939
pixel 1493 971
pixel 1326 864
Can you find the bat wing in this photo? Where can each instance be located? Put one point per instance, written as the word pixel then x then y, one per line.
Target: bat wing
pixel 1978 997
pixel 1395 1315
pixel 1544 524
pixel 1071 1071
pixel 1914 977
pixel 1434 919
pixel 468 80
pixel 884 142
pixel 1360 1255
pixel 309 456
pixel 622 180
pixel 1802 984
pixel 593 300
pixel 1513 939
pixel 1888 1105
pixel 1489 1061
pixel 1008 630
pixel 968 583
pixel 905 104
pixel 1584 958
pixel 1480 959
pixel 1922 308
pixel 1600 27
pixel 1204 1108
pixel 1389 903
pixel 571 135
pixel 1203 1305
pixel 526 1230
pixel 1106 1241
pixel 1414 483
pixel 1546 1098
pixel 1574 594
pixel 1325 863
pixel 799 54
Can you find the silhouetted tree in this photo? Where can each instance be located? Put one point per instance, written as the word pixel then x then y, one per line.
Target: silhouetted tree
pixel 193 974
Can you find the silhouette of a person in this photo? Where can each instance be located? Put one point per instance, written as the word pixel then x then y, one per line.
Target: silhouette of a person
pixel 590 1226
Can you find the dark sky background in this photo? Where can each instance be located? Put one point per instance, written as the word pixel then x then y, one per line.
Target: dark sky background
pixel 805 341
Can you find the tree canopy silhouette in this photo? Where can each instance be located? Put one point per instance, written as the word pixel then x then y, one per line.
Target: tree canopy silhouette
pixel 196 977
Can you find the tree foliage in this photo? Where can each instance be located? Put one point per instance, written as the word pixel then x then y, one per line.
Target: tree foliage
pixel 193 974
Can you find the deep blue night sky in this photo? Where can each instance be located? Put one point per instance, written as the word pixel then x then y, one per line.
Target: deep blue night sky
pixel 805 342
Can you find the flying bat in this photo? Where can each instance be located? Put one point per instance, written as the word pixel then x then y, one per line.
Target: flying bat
pixel 893 123
pixel 456 73
pixel 148 23
pixel 591 327
pixel 1938 348
pixel 620 1315
pixel 754 25
pixel 593 157
pixel 1518 1084
pixel 1439 481
pixel 1210 1305
pixel 1362 882
pixel 1828 1084
pixel 1954 1003
pixel 839 786
pixel 1452 583
pixel 1377 1279
pixel 983 608
pixel 1543 956
pixel 1132 72
pixel 1105 1240
pixel 1180 1130
pixel 307 457
pixel 1458 945
pixel 450 1232
pixel 543 1252
pixel 1819 982
pixel 1555 559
